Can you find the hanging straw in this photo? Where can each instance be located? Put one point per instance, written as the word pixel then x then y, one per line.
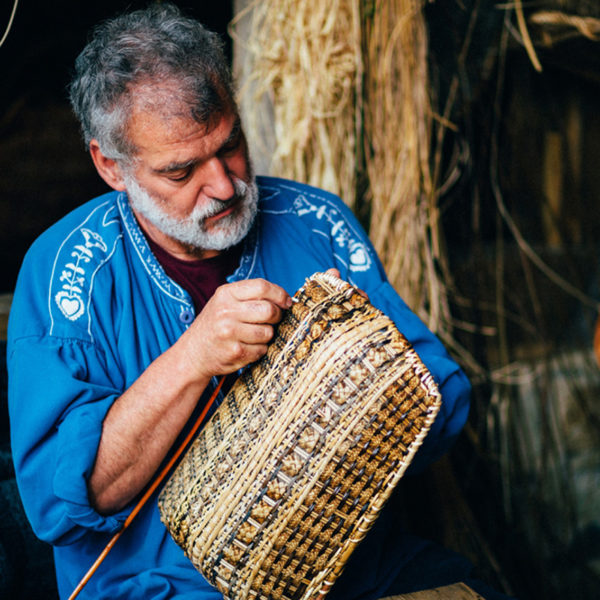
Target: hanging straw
pixel 301 88
pixel 404 227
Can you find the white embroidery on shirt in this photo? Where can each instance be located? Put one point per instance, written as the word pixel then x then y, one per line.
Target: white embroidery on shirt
pixel 342 235
pixel 73 276
pixel 151 265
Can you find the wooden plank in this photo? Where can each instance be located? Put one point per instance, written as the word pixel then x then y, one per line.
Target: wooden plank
pixel 456 591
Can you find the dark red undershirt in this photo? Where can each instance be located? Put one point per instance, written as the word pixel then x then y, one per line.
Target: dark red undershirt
pixel 200 278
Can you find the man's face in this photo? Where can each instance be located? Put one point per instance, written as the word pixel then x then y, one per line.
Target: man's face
pixel 191 188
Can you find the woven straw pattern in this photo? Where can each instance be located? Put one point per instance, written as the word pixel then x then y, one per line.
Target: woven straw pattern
pixel 292 469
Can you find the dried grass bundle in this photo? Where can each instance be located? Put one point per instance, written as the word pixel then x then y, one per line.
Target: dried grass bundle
pixel 404 224
pixel 300 88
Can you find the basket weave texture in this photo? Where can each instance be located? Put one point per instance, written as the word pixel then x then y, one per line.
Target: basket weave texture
pixel 293 468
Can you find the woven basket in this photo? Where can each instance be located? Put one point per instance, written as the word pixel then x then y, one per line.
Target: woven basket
pixel 293 468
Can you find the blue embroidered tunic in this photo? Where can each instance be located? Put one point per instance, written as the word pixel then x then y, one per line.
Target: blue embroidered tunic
pixel 93 308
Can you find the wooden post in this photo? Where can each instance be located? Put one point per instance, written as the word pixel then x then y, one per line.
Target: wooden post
pixel 553 188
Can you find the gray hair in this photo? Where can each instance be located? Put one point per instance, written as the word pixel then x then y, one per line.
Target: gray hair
pixel 157 48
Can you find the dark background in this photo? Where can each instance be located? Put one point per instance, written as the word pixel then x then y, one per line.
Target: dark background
pixel 44 168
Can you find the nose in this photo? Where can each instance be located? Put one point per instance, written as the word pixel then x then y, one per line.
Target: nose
pixel 219 184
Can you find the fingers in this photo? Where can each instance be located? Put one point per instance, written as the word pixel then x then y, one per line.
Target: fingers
pixel 250 301
pixel 258 289
pixel 262 311
pixel 232 331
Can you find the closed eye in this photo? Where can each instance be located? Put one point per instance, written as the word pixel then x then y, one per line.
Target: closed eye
pixel 180 175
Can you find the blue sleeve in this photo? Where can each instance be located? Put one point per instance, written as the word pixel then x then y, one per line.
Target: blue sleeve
pixel 58 397
pixel 358 262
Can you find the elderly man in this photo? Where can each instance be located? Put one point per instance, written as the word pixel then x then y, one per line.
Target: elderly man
pixel 128 308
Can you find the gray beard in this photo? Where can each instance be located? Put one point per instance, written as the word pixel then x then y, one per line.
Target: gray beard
pixel 191 230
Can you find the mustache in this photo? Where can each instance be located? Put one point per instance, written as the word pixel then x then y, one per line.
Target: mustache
pixel 216 206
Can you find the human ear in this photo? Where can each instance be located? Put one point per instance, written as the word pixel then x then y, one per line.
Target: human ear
pixel 107 168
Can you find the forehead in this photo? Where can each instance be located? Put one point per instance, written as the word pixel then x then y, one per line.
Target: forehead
pixel 157 136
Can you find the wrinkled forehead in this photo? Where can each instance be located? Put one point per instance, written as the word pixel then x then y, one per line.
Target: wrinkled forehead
pixel 163 107
pixel 162 141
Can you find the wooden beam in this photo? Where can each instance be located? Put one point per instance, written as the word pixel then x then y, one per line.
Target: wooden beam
pixel 456 591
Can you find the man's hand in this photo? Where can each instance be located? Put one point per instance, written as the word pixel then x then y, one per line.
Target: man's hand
pixel 235 327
